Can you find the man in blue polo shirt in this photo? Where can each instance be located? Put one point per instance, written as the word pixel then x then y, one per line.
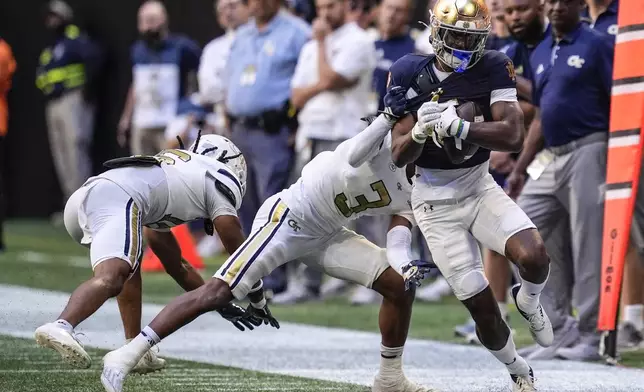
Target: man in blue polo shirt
pixel 601 15
pixel 164 72
pixel 571 89
pixel 257 79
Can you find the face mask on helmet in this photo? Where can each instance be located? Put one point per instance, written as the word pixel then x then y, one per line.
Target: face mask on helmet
pixel 458 42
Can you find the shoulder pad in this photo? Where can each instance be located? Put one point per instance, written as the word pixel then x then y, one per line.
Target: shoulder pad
pixel 405 69
pixel 492 57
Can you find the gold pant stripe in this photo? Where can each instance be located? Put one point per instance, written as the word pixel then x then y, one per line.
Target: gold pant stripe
pixel 255 243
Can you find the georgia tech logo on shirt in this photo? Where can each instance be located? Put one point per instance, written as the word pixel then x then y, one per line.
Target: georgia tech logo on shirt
pixel 612 29
pixel 576 61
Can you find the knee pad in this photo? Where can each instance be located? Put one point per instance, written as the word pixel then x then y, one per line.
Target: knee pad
pixel 468 283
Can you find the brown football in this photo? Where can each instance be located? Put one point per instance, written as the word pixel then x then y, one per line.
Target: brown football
pixel 468 111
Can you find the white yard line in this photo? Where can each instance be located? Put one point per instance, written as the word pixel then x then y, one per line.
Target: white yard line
pixel 317 352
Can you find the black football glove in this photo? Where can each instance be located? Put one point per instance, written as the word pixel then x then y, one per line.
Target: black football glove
pixel 239 317
pixel 264 314
pixel 395 102
pixel 415 271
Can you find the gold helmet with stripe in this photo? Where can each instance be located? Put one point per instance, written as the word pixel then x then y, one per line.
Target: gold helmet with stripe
pixel 459 30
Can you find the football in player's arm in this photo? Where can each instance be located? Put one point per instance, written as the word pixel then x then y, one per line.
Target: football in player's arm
pixel 505 131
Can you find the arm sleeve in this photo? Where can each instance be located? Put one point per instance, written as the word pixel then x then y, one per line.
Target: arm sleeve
pixel 354 59
pixel 365 145
pixel 217 203
pixel 399 247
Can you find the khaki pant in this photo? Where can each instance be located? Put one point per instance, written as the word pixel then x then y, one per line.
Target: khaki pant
pixel 70 125
pixel 147 141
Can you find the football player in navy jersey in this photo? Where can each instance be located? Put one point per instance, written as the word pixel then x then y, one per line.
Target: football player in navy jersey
pixel 457 204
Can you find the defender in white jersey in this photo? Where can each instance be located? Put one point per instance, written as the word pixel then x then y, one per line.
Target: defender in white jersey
pixel 108 214
pixel 305 222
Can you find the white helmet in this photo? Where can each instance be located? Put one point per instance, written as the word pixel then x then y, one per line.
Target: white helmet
pixel 224 151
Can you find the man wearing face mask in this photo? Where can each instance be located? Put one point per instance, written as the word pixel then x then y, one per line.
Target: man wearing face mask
pixel 164 72
pixel 66 74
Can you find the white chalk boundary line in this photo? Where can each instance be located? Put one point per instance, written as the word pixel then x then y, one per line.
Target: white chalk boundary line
pixel 308 351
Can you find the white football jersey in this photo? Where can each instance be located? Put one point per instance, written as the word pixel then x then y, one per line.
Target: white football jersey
pixel 330 192
pixel 182 189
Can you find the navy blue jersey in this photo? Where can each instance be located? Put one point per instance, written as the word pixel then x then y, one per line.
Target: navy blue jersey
pixel 415 73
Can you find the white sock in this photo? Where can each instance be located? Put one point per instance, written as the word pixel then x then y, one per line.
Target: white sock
pixel 503 307
pixel 151 336
pixel 633 315
pixel 509 357
pixel 390 361
pixel 529 293
pixel 64 324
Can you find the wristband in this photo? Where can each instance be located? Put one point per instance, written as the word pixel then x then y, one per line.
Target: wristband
pixel 418 135
pixel 462 129
pixel 259 305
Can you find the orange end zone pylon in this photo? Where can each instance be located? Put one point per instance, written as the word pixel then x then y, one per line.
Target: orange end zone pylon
pixel 188 247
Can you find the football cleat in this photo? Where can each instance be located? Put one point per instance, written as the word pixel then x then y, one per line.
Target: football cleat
pixel 397 384
pixel 117 365
pixel 65 343
pixel 538 322
pixel 523 382
pixel 149 363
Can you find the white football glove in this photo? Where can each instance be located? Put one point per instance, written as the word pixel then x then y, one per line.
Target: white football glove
pixel 428 113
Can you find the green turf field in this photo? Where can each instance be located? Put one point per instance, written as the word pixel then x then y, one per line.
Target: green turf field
pixel 24 367
pixel 41 256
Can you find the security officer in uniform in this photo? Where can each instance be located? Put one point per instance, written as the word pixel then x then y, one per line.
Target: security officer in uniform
pixel 67 71
pixel 571 90
pixel 258 76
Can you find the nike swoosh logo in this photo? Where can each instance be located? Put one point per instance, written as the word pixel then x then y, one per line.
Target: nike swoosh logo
pixel 513 361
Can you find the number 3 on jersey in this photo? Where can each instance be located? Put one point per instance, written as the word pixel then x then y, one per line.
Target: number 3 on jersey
pixel 363 204
pixel 169 156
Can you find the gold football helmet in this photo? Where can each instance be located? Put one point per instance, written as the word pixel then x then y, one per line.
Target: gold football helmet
pixel 459 30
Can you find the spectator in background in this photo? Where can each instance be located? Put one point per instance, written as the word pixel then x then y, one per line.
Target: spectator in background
pixel 258 76
pixel 331 88
pixel 230 15
pixel 393 41
pixel 572 71
pixel 362 12
pixel 67 73
pixel 525 22
pixel 602 16
pixel 423 43
pixel 7 68
pixel 499 36
pixel 164 72
pixel 302 8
